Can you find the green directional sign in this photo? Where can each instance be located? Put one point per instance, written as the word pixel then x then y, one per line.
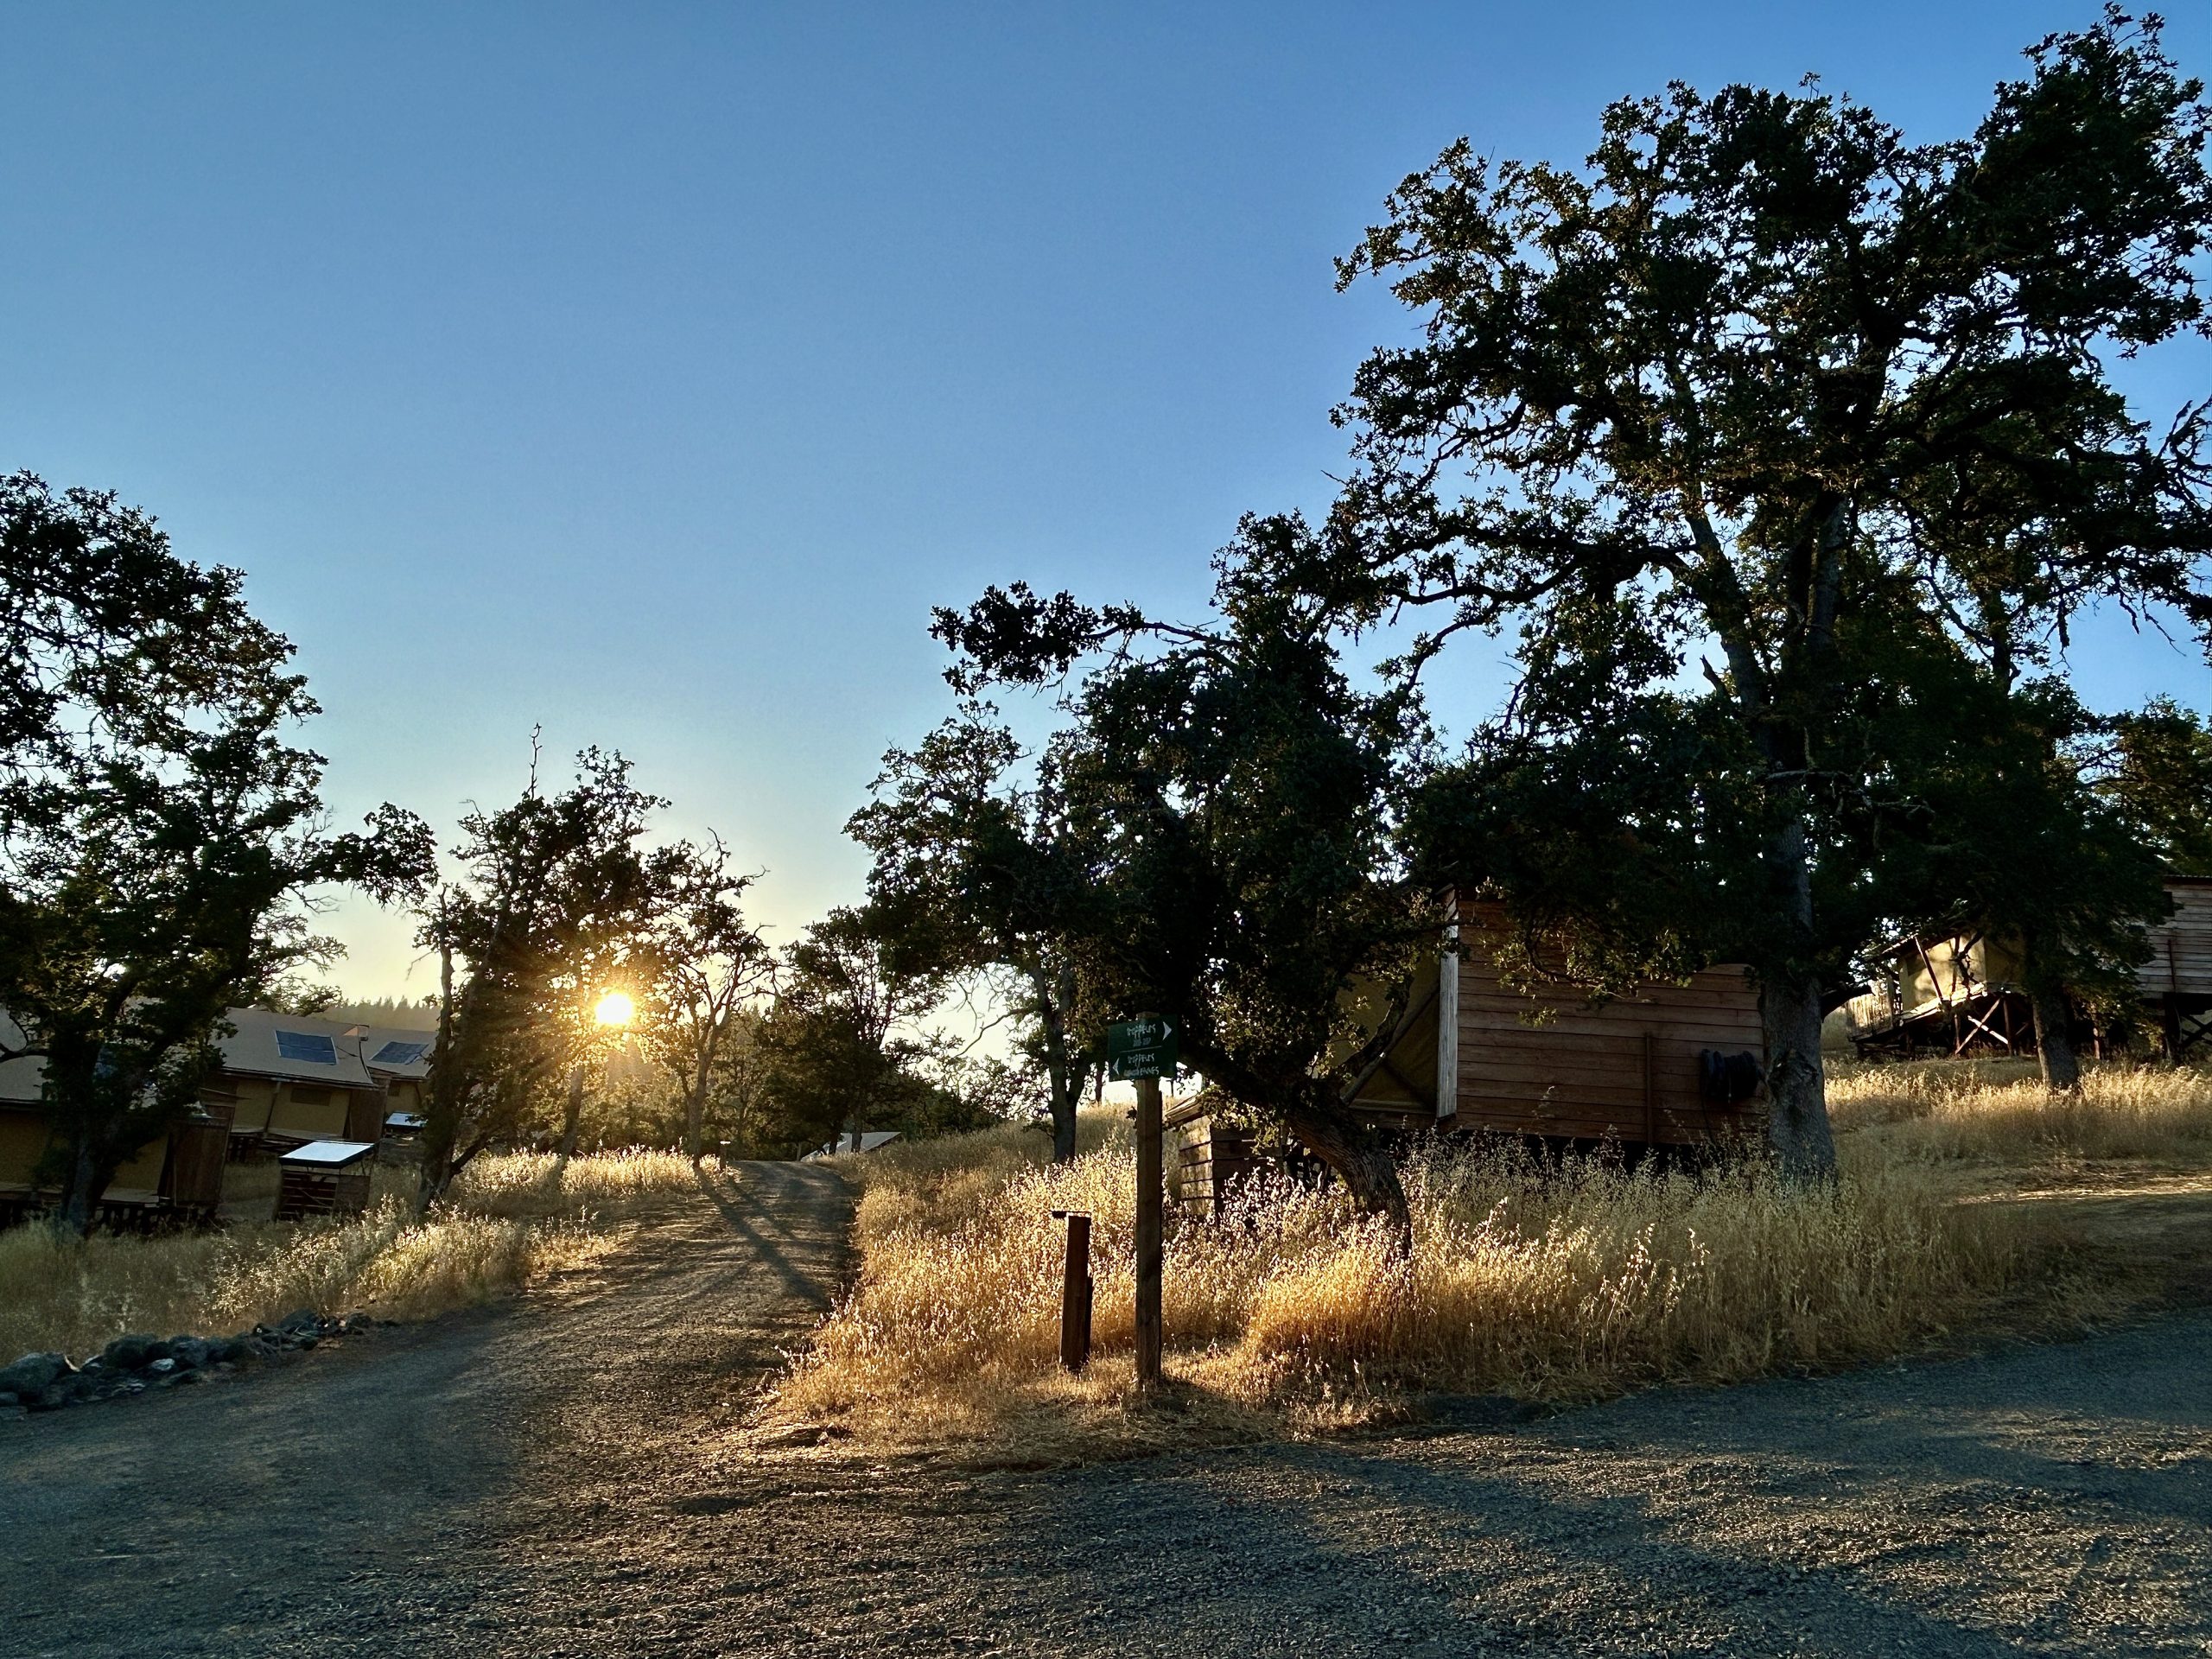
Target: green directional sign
pixel 1142 1047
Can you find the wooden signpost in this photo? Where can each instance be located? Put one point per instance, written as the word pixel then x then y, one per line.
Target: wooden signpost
pixel 1074 1292
pixel 1140 1051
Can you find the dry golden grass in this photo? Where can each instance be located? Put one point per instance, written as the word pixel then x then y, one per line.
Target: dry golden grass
pixel 538 1184
pixel 510 1221
pixel 1554 1281
pixel 1998 1112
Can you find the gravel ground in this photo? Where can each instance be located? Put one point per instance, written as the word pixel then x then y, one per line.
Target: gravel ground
pixel 563 1474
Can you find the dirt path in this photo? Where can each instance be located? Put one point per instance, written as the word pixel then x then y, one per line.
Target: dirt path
pixel 560 1475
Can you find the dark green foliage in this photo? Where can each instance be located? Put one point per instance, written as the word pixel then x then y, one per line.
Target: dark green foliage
pixel 1757 396
pixel 1235 795
pixel 842 1049
pixel 701 962
pixel 160 833
pixel 2160 778
pixel 556 902
pixel 2019 846
pixel 983 877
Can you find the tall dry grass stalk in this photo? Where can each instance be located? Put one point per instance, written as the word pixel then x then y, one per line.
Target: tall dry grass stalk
pixel 511 1220
pixel 1999 1111
pixel 1560 1280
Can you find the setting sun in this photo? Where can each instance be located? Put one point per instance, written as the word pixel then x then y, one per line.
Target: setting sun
pixel 615 1009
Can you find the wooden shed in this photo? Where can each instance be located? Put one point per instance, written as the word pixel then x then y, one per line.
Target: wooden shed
pixel 177 1175
pixel 1204 1160
pixel 1661 1065
pixel 288 1080
pixel 324 1178
pixel 2177 980
pixel 1963 995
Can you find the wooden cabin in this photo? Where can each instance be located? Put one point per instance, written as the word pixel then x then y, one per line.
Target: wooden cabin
pixel 1664 1065
pixel 2177 980
pixel 1204 1160
pixel 176 1176
pixel 324 1178
pixel 288 1080
pixel 1963 995
pixel 399 1060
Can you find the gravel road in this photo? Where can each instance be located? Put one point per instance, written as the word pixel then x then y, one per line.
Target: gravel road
pixel 561 1475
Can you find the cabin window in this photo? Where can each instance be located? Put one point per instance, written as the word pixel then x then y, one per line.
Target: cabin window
pixel 310 1094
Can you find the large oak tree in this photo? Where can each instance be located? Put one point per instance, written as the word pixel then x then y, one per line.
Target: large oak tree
pixel 161 833
pixel 1706 382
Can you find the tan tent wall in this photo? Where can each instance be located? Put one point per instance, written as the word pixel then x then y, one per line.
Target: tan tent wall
pixel 141 1178
pixel 1403 1083
pixel 1944 971
pixel 184 1166
pixel 249 1100
pixel 308 1109
pixel 23 1143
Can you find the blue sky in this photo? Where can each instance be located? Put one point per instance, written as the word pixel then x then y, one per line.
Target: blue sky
pixel 648 372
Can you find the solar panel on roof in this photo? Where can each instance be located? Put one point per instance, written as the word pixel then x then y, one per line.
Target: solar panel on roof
pixel 398 1054
pixel 311 1046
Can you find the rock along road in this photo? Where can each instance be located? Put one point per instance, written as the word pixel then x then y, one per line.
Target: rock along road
pixel 561 1474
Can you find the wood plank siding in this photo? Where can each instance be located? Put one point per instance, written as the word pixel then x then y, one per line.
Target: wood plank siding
pixel 2181 946
pixel 1552 1064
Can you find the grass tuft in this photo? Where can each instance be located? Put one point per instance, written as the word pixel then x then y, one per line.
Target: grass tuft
pixel 1556 1280
pixel 1999 1111
pixel 510 1221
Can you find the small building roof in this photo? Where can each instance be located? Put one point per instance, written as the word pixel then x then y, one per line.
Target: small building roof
pixel 328 1154
pixel 266 1044
pixel 844 1143
pixel 406 1121
pixel 391 1052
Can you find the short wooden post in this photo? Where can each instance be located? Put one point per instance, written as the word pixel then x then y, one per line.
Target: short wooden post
pixel 1149 1233
pixel 1650 1092
pixel 1075 1293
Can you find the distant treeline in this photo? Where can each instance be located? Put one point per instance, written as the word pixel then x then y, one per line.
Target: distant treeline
pixel 390 1011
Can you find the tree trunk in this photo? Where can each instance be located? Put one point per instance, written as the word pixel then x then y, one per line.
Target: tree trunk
pixel 1063 1124
pixel 573 1115
pixel 1797 1114
pixel 695 1112
pixel 1789 1010
pixel 1361 1161
pixel 1059 1068
pixel 2061 1067
pixel 75 1217
pixel 443 1128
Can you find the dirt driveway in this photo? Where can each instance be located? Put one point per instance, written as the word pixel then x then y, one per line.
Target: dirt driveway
pixel 559 1475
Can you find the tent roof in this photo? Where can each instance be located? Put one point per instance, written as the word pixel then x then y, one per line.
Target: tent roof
pixel 394 1052
pixel 266 1044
